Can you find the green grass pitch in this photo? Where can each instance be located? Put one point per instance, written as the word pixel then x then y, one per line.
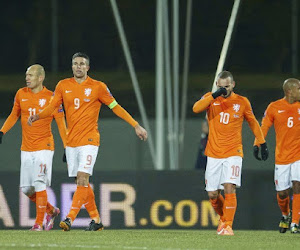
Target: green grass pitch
pixel 147 239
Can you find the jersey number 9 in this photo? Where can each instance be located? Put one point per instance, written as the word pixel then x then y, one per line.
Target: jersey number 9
pixel 77 103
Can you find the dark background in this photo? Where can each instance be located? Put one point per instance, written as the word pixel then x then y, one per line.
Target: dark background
pixel 259 55
pixel 261 41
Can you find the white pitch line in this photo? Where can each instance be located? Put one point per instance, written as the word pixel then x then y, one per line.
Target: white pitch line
pixel 14 245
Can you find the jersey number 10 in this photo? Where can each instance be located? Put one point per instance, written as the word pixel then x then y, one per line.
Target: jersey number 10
pixel 224 118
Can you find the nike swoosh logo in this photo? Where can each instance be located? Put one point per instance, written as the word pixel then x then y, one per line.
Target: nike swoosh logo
pixel 230 207
pixel 280 111
pixel 24 100
pixel 215 103
pixel 68 91
pixel 41 206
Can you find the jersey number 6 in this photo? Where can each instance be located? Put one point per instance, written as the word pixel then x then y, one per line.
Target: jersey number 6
pixel 290 122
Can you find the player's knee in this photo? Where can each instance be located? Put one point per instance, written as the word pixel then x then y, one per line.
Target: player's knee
pixel 82 179
pixel 28 191
pixel 82 182
pixel 39 186
pixel 213 194
pixel 283 193
pixel 296 187
pixel 229 188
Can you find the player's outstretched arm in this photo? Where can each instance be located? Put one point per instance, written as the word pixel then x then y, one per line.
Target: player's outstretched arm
pixel 9 123
pixel 141 132
pixel 206 100
pixel 12 118
pixel 62 129
pixel 48 111
pixel 266 123
pixel 122 113
pixel 55 102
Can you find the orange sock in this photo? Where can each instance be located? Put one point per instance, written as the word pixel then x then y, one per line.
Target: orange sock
pixel 217 204
pixel 79 198
pixel 284 205
pixel 90 205
pixel 229 208
pixel 41 204
pixel 49 208
pixel 296 209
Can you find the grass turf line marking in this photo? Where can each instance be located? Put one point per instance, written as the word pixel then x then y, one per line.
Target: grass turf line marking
pixel 65 246
pixel 89 247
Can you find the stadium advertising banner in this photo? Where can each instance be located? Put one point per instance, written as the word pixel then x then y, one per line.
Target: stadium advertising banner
pixel 146 199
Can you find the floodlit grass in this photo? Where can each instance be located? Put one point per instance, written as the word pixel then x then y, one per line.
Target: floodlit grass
pixel 147 239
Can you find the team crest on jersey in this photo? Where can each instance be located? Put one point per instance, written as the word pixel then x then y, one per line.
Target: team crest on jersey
pixel 236 107
pixel 42 102
pixel 87 91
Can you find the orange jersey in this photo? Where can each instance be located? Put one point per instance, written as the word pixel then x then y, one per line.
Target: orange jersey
pixel 225 119
pixel 39 135
pixel 286 120
pixel 82 103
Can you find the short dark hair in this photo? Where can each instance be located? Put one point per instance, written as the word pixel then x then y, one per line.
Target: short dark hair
pixel 80 54
pixel 224 74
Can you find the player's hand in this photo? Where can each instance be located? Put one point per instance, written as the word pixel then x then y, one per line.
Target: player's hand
pixel 141 132
pixel 263 150
pixel 255 152
pixel 64 159
pixel 220 91
pixel 32 119
pixel 1 135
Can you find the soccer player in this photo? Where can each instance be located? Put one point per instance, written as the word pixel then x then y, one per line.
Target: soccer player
pixel 37 143
pixel 285 115
pixel 82 98
pixel 226 112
